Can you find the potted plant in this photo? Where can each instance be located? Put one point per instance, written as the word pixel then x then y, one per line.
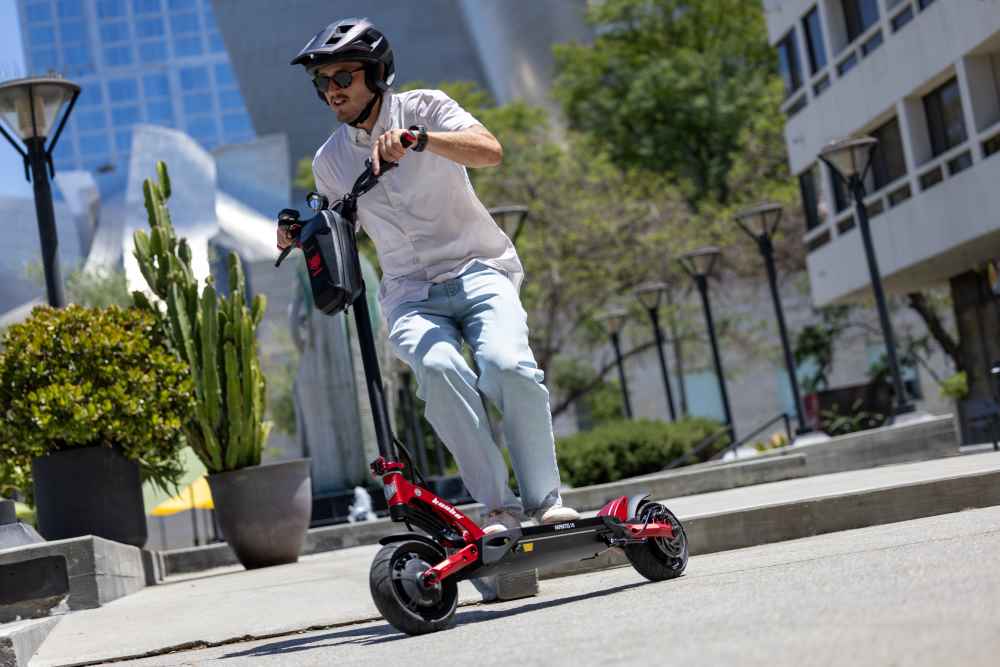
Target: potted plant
pixel 91 401
pixel 264 510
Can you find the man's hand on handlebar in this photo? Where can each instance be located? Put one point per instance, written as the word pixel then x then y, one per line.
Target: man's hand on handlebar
pixel 390 147
pixel 288 226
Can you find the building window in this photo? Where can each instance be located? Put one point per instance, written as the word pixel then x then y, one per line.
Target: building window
pixel 840 200
pixel 125 116
pixel 160 113
pixel 114 32
pixel 149 27
pixel 188 46
pixel 230 99
pixel 117 56
pixel 183 23
pixel 145 6
pixel 93 144
pixel 197 103
pixel 156 85
pixel 181 5
pixel 41 35
pixel 110 8
pixel 888 161
pixel 859 15
pixel 153 52
pixel 945 118
pixel 73 32
pixel 43 61
pixel 194 78
pixel 215 42
pixel 89 120
pixel 123 90
pixel 788 63
pixel 813 28
pixel 90 96
pixel 70 9
pixel 39 12
pixel 237 124
pixel 810 198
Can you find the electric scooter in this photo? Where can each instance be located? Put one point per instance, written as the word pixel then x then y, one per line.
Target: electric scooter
pixel 414 577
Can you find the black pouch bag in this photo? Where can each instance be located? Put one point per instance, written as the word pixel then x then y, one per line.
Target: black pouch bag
pixel 331 254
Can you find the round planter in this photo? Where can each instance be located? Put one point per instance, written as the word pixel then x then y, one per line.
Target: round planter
pixel 89 491
pixel 264 511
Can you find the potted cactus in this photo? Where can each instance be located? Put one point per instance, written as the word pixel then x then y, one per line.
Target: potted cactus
pixel 263 510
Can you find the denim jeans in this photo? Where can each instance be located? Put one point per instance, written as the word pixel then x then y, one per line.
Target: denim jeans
pixel 482 307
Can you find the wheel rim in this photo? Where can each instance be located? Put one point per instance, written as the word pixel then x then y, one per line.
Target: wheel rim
pixel 405 574
pixel 671 549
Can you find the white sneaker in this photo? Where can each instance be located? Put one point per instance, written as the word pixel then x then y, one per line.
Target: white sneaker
pixel 499 520
pixel 556 514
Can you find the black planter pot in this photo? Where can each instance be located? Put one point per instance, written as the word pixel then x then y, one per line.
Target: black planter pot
pixel 89 491
pixel 264 511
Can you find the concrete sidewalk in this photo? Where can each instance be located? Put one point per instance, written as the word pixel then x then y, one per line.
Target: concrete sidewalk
pixel 330 589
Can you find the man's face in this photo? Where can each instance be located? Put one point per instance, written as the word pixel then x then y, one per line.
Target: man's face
pixel 348 102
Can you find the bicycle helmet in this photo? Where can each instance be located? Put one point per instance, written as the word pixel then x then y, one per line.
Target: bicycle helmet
pixel 352 39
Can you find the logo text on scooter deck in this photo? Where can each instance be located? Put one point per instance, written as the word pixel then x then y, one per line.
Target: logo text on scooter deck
pixel 564 526
pixel 446 507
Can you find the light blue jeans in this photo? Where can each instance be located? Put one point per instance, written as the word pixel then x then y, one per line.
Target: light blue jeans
pixel 482 307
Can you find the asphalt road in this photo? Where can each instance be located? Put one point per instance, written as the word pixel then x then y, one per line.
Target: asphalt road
pixel 924 592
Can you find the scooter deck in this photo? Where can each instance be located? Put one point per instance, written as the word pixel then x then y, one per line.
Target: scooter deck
pixel 538 546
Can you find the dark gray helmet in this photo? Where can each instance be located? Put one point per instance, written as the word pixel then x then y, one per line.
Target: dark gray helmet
pixel 352 39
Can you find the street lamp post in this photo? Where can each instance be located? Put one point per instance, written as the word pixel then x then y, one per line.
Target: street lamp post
pixel 650 296
pixel 614 320
pixel 30 107
pixel 699 264
pixel 849 160
pixel 760 223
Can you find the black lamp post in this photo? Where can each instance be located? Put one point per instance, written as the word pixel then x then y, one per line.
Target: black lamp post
pixel 511 219
pixel 614 320
pixel 849 160
pixel 29 108
pixel 760 223
pixel 699 264
pixel 650 296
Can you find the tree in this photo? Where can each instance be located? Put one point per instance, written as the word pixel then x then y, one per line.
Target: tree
pixel 670 85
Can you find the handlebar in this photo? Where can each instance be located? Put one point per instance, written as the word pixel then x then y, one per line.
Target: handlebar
pixel 289 218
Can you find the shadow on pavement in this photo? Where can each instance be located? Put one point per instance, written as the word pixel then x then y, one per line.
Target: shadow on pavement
pixel 385 633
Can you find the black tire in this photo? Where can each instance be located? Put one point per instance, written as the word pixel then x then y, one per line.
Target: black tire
pixel 659 559
pixel 399 597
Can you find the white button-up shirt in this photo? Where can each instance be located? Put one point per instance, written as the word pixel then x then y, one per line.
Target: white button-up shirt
pixel 425 219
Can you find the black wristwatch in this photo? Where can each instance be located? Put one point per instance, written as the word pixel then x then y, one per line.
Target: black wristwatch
pixel 421 138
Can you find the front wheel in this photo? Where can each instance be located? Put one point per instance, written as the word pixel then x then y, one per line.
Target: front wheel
pixel 408 605
pixel 659 558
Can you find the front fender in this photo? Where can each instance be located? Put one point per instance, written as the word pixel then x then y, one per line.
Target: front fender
pixel 408 537
pixel 634 502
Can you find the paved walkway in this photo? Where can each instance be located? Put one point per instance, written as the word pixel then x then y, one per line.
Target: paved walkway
pixel 331 589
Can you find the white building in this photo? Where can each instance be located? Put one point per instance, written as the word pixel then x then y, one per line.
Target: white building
pixel 923 77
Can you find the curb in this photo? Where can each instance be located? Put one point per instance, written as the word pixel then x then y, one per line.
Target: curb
pixel 20 640
pixel 790 521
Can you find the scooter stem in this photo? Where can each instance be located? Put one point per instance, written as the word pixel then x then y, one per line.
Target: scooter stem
pixel 373 378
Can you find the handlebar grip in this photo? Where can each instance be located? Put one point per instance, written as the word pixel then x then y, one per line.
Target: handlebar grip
pixel 407 139
pixel 283 255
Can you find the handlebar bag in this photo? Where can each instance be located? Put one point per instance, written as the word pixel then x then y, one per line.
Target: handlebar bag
pixel 331 254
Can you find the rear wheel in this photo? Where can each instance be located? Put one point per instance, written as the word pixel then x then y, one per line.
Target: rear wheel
pixel 659 558
pixel 402 599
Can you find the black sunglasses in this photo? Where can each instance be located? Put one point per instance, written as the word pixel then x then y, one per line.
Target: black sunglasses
pixel 343 79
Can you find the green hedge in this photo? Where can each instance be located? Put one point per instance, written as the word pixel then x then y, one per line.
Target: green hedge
pixel 627 448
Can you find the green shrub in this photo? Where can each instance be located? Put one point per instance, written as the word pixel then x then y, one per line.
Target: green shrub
pixel 627 448
pixel 77 377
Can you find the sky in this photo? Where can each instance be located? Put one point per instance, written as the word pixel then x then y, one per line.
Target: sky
pixel 11 67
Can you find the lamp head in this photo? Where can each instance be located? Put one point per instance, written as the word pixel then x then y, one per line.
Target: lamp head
pixel 760 221
pixel 651 294
pixel 30 106
pixel 849 157
pixel 510 219
pixel 614 320
pixel 700 262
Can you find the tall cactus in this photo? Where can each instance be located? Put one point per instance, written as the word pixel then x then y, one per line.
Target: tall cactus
pixel 213 333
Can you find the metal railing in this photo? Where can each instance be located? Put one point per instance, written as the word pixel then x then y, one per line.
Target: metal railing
pixel 692 456
pixel 782 417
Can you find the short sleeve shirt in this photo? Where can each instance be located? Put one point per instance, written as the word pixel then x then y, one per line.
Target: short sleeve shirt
pixel 425 219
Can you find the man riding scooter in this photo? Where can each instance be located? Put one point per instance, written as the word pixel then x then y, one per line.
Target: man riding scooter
pixel 449 272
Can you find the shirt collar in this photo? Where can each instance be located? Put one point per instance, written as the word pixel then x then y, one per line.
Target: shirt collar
pixel 381 123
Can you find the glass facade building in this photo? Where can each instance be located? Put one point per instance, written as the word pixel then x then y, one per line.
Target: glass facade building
pixel 160 62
